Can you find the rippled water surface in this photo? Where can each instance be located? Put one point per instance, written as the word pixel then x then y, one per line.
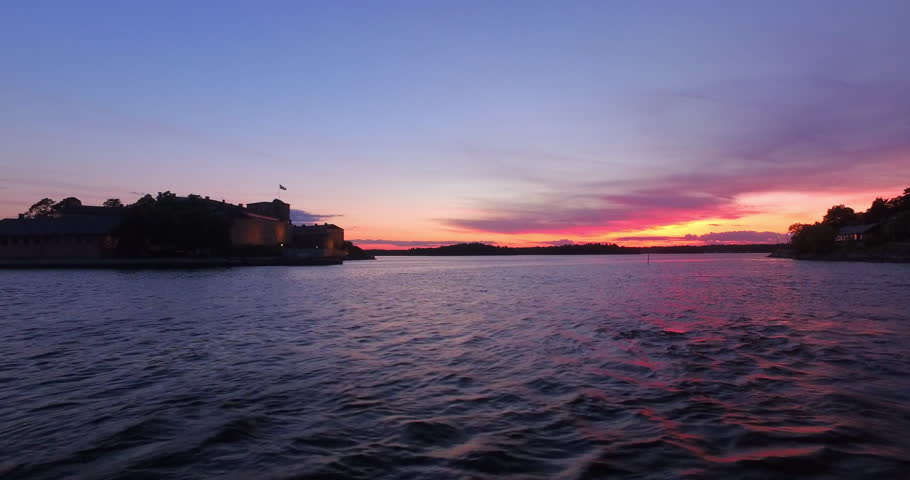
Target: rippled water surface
pixel 708 366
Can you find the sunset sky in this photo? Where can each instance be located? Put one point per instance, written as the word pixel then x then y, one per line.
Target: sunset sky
pixel 427 122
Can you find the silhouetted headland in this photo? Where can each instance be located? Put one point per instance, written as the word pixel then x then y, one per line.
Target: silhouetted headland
pixel 356 253
pixel 880 234
pixel 165 231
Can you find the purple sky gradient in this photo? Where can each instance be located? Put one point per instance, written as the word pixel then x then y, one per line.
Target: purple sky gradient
pixel 518 122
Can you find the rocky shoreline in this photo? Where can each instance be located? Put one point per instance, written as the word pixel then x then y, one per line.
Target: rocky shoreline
pixel 882 254
pixel 167 262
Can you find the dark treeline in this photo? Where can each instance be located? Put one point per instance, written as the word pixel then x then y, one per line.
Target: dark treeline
pixel 47 207
pixel 470 249
pixel 887 220
pixel 170 225
pixel 484 249
pixel 163 225
pixel 744 248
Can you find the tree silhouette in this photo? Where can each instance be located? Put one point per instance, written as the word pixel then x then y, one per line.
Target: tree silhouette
pixel 166 225
pixel 144 201
pixel 839 215
pixel 68 202
pixel 815 238
pixel 41 208
pixel 902 202
pixel 113 203
pixel 878 211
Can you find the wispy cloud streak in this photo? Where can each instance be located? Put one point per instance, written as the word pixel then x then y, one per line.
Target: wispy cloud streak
pixel 740 236
pixel 412 243
pixel 812 134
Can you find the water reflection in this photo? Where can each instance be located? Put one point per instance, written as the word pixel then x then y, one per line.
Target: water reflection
pixel 543 367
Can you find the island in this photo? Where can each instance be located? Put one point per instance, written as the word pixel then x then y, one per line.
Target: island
pixel 166 230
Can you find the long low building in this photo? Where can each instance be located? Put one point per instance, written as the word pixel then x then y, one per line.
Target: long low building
pixel 76 236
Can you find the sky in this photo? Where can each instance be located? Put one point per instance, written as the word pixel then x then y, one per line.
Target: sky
pixel 423 123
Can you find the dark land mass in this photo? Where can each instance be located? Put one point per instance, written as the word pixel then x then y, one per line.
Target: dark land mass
pixel 166 231
pixel 890 252
pixel 746 248
pixel 479 249
pixel 356 253
pixel 880 234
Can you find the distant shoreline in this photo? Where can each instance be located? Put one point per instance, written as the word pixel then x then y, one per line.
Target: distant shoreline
pixel 378 255
pixel 480 249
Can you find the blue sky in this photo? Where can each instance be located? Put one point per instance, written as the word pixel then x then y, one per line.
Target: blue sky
pixel 517 122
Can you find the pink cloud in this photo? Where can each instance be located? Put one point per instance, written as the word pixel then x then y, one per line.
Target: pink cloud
pixel 828 136
pixel 735 237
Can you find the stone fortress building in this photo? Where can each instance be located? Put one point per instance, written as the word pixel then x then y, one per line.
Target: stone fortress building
pixel 90 232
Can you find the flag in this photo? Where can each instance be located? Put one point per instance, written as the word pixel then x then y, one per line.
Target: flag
pixel 281 187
